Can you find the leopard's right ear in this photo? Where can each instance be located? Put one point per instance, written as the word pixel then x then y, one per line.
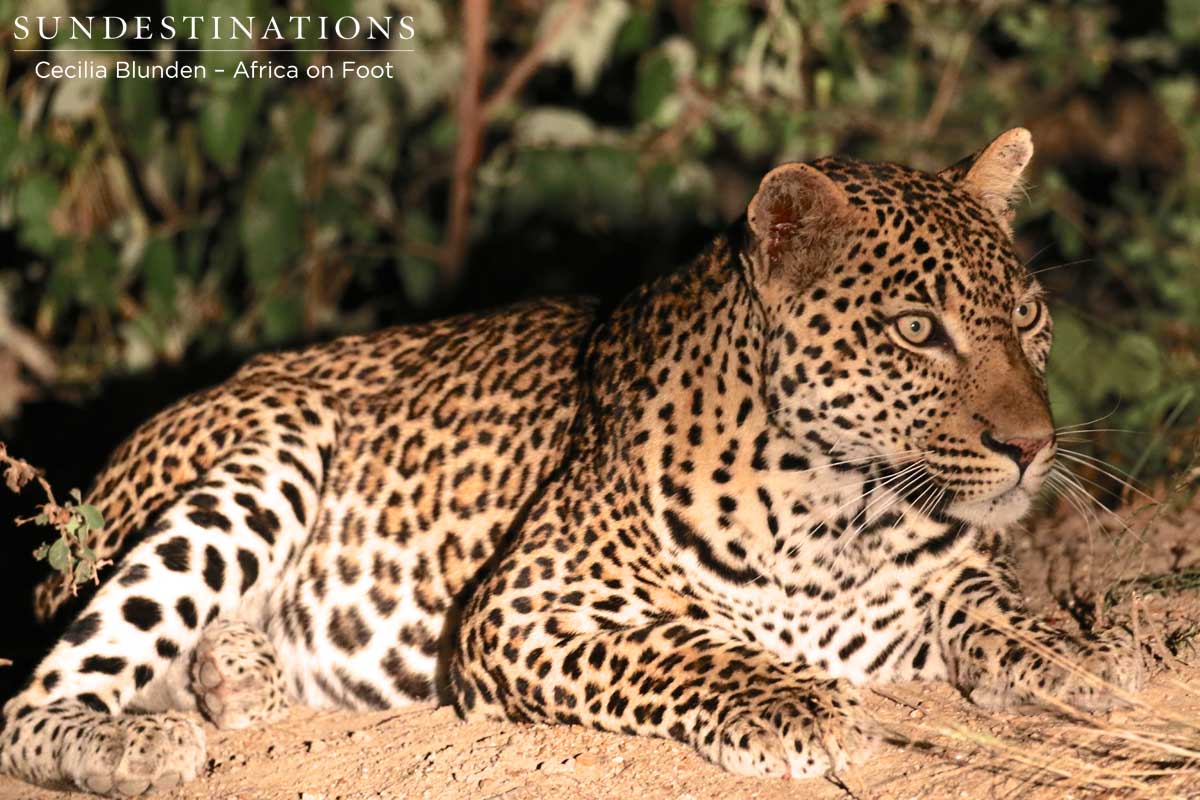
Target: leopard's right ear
pixel 796 217
pixel 993 174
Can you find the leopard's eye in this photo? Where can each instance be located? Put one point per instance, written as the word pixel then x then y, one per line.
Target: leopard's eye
pixel 915 328
pixel 1026 315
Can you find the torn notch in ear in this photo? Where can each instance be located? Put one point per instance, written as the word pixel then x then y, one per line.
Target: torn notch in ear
pixel 795 213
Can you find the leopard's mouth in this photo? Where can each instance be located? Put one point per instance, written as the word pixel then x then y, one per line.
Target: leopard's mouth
pixel 996 506
pixel 934 496
pixel 995 511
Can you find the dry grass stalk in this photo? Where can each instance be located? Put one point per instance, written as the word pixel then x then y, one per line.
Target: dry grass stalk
pixel 1156 756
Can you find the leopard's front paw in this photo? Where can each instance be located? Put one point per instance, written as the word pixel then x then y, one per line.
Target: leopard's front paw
pixel 236 676
pixel 804 734
pixel 134 755
pixel 1089 674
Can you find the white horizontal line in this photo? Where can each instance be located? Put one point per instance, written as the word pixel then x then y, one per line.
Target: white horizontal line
pixel 196 50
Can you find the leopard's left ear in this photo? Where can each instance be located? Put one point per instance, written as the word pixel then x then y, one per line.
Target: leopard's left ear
pixel 994 173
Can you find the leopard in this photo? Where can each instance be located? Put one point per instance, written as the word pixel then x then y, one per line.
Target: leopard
pixel 711 512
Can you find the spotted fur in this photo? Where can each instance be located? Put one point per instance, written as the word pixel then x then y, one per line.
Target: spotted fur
pixel 779 473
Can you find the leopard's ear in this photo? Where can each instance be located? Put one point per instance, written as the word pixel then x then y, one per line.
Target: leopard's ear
pixel 796 216
pixel 994 173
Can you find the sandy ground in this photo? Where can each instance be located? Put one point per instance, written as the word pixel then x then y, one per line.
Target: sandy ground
pixel 424 752
pixel 952 750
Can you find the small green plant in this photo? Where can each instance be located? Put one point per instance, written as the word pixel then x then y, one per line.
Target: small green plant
pixel 1158 583
pixel 75 521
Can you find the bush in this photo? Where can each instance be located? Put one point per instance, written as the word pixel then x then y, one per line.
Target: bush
pixel 155 221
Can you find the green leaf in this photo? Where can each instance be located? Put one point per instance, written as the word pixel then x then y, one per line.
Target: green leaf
pixel 720 23
pixel 636 35
pixel 547 181
pixel 1183 20
pixel 1069 372
pixel 36 197
pixel 610 175
pixel 655 83
pixel 91 516
pixel 158 269
pixel 270 229
pixel 753 138
pixel 224 121
pixel 1178 97
pixel 211 47
pixel 99 285
pixel 332 8
pixel 1135 366
pixel 283 318
pixel 41 519
pixel 138 107
pixel 443 131
pixel 183 8
pixel 41 552
pixel 60 555
pixel 419 276
pixel 83 572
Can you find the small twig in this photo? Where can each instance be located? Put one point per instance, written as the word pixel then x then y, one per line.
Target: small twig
pixel 19 472
pixel 856 8
pixel 896 700
pixel 696 109
pixel 523 70
pixel 36 357
pixel 841 784
pixel 948 84
pixel 1135 610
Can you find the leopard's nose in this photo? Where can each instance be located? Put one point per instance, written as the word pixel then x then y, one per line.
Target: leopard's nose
pixel 1021 449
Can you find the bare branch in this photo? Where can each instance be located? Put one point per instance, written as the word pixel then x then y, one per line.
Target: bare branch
pixel 524 69
pixel 474 113
pixel 470 132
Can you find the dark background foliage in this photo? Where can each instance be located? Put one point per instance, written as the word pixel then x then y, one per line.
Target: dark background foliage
pixel 157 232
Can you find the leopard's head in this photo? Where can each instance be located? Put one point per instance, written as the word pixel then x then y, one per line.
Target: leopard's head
pixel 902 327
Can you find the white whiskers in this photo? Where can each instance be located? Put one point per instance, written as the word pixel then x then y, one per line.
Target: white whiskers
pixel 910 480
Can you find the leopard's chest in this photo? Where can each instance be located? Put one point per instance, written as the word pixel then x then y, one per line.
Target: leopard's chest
pixel 851 620
pixel 850 597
